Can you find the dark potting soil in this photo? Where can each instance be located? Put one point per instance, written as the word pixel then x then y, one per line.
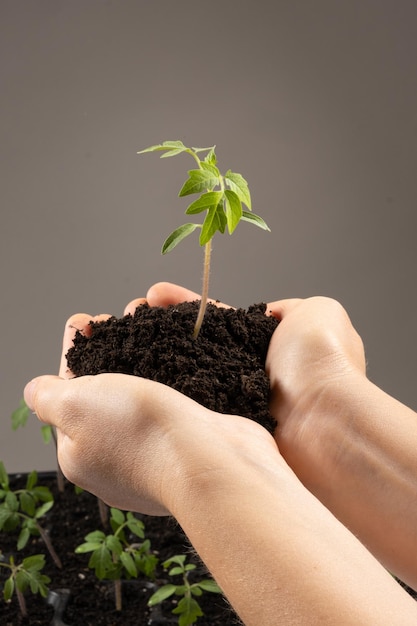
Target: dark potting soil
pixel 223 369
pixel 90 601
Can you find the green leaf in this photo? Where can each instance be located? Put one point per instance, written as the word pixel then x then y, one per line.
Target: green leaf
pixel 4 477
pixel 136 526
pixel 34 563
pixel 27 503
pixel 20 415
pixel 178 235
pixel 8 588
pixel 40 512
pixel 175 571
pixel 233 207
pixel 161 594
pixel 205 201
pixel 31 480
pixel 209 585
pixel 215 220
pixel 238 184
pixel 46 432
pixel 176 146
pixel 129 564
pixel 101 562
pixel 23 538
pixel 210 157
pixel 11 501
pixel 254 219
pixel 211 167
pixel 89 546
pixel 198 181
pixel 118 516
pixel 189 610
pixel 113 543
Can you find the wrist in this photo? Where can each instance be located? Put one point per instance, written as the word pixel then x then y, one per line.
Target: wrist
pixel 315 437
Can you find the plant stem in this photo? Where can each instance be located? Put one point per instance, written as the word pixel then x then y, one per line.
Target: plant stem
pixel 22 602
pixel 205 289
pixel 49 546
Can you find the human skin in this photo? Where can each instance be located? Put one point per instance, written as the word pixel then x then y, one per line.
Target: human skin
pixel 349 442
pixel 280 556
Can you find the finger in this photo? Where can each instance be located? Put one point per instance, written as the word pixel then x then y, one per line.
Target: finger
pixel 133 305
pixel 163 294
pixel 281 308
pixel 38 392
pixel 78 322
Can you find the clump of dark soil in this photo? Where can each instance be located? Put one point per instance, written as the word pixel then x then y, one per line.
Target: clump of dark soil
pixel 223 369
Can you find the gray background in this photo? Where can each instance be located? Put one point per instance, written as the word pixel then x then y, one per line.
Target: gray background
pixel 314 102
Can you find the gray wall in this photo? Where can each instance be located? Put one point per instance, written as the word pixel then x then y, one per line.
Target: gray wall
pixel 314 102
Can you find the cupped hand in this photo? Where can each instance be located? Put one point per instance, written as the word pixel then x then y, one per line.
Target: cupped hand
pixel 314 350
pixel 137 444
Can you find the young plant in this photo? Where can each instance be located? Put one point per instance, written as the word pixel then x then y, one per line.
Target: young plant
pixel 21 509
pixel 188 609
pixel 24 575
pixel 113 555
pixel 222 196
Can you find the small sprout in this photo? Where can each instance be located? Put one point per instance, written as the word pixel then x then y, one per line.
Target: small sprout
pixel 223 198
pixel 21 509
pixel 24 575
pixel 114 556
pixel 188 609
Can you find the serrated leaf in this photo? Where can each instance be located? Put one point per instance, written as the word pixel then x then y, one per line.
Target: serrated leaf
pixel 135 526
pixel 215 220
pixel 34 563
pixel 118 516
pixel 239 185
pixel 211 156
pixel 233 208
pixel 255 219
pixel 204 202
pixel 178 235
pixel 198 181
pixel 113 543
pixel 161 594
pixel 101 562
pixel 210 167
pixel 129 564
pixel 20 415
pixel 189 610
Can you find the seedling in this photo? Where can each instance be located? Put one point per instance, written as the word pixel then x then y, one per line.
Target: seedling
pixel 222 196
pixel 188 609
pixel 21 509
pixel 113 555
pixel 24 575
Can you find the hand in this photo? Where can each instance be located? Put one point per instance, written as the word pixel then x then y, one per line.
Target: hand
pixel 127 440
pixel 313 350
